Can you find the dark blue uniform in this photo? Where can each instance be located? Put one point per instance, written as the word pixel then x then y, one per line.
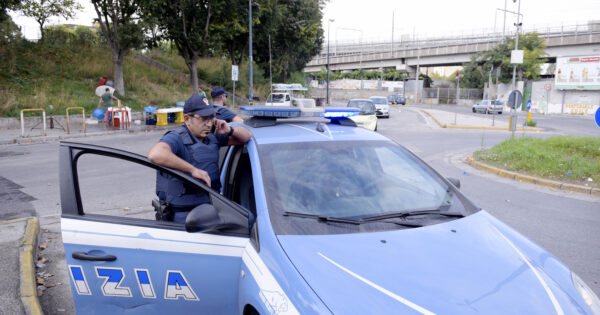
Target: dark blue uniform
pixel 224 113
pixel 202 155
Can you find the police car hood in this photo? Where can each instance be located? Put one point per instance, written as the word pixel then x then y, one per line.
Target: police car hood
pixel 472 265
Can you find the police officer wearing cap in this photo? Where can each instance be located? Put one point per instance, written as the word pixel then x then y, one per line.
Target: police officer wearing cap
pixel 219 98
pixel 194 149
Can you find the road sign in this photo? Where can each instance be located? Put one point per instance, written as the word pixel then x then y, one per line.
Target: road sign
pixel 234 72
pixel 547 86
pixel 516 57
pixel 598 117
pixel 515 99
pixel 529 105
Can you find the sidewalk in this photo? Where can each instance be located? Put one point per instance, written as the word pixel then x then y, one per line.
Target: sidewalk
pixel 13 136
pixel 461 121
pixel 18 242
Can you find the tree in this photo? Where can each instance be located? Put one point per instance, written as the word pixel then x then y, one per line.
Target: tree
pixel 476 71
pixel 121 32
pixel 296 35
pixel 42 10
pixel 187 24
pixel 6 5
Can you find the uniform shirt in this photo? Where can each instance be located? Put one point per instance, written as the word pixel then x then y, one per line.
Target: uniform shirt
pixel 212 142
pixel 224 113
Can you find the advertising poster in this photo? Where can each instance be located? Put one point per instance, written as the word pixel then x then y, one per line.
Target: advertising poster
pixel 577 73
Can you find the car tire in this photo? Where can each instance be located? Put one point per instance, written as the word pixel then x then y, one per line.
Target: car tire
pixel 499 113
pixel 474 111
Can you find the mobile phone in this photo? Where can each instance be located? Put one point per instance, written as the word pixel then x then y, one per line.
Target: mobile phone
pixel 213 129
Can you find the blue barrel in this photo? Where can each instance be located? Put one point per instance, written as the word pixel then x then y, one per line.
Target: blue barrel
pixel 150 112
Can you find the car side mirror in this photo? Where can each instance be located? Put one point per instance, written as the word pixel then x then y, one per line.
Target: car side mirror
pixel 203 218
pixel 454 181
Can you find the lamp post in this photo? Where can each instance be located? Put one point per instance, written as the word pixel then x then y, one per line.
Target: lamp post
pixel 328 21
pixel 251 78
pixel 513 112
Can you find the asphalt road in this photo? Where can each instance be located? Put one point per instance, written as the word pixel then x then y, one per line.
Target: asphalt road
pixel 565 224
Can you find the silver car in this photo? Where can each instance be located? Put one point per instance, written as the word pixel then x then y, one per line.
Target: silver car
pixel 489 106
pixel 381 106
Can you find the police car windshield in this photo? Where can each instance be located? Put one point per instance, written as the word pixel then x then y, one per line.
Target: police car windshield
pixel 275 98
pixel 350 180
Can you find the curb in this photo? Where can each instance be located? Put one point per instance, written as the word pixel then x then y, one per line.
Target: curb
pixel 44 139
pixel 475 127
pixel 595 192
pixel 28 291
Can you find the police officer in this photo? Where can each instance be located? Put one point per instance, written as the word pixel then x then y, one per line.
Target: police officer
pixel 194 149
pixel 219 98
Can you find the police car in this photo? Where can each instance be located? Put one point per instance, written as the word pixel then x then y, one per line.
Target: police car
pixel 315 216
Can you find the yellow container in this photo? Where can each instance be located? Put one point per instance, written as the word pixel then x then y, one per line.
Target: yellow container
pixel 161 119
pixel 179 117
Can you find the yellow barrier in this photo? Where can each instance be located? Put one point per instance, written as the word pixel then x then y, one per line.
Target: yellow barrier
pixel 82 117
pixel 179 117
pixel 33 110
pixel 161 119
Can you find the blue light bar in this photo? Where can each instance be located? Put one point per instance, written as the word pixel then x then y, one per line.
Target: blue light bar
pixel 334 113
pixel 269 111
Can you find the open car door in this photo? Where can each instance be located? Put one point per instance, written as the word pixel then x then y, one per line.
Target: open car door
pixel 120 259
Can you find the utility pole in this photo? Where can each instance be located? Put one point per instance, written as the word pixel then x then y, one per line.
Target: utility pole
pixel 270 68
pixel 328 21
pixel 250 52
pixel 513 111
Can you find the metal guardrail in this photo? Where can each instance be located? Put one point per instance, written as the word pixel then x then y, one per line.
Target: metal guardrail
pixel 82 117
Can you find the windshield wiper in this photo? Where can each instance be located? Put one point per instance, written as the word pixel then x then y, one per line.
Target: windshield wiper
pixel 405 214
pixel 320 218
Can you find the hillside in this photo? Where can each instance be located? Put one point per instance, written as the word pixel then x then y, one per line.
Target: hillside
pixel 57 77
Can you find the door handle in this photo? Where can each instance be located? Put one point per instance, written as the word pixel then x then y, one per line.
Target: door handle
pixel 84 256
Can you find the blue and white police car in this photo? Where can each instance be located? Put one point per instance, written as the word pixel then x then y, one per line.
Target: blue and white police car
pixel 315 216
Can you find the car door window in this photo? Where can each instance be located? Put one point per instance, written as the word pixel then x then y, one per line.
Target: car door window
pixel 239 186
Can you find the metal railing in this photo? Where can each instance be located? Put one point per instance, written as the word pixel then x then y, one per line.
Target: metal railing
pixel 82 117
pixel 355 48
pixel 33 110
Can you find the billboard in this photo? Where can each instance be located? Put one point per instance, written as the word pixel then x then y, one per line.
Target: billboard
pixel 577 73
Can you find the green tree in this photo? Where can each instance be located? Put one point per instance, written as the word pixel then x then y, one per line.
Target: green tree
pixel 42 10
pixel 121 31
pixel 476 71
pixel 296 35
pixel 6 5
pixel 187 24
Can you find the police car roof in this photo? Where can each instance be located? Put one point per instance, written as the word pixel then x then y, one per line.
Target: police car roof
pixel 298 130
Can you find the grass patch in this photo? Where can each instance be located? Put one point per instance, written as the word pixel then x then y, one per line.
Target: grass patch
pixel 569 159
pixel 55 77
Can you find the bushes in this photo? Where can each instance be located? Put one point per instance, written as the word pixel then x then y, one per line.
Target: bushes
pixel 60 35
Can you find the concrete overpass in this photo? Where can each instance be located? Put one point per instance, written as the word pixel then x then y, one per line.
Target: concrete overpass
pixel 450 51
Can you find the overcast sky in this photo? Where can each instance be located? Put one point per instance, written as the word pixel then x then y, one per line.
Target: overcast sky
pixel 426 18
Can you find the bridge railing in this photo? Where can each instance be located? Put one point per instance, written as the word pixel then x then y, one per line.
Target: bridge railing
pixel 356 48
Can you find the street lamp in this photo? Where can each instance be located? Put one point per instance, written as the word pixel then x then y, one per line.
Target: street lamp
pixel 328 21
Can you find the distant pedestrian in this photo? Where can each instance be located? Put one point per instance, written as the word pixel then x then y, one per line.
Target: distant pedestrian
pixel 219 100
pixel 107 100
pixel 201 92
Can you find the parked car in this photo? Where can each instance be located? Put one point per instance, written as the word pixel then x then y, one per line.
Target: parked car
pixel 488 106
pixel 366 118
pixel 397 99
pixel 382 108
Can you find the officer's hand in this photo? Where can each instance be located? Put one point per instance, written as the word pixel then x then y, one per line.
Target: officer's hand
pixel 201 175
pixel 222 126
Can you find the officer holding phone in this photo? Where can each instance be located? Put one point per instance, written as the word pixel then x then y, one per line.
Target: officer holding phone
pixel 192 148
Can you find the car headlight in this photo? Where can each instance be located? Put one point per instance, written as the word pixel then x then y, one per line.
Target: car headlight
pixel 588 296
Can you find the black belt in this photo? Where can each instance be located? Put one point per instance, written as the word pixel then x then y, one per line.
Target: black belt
pixel 182 209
